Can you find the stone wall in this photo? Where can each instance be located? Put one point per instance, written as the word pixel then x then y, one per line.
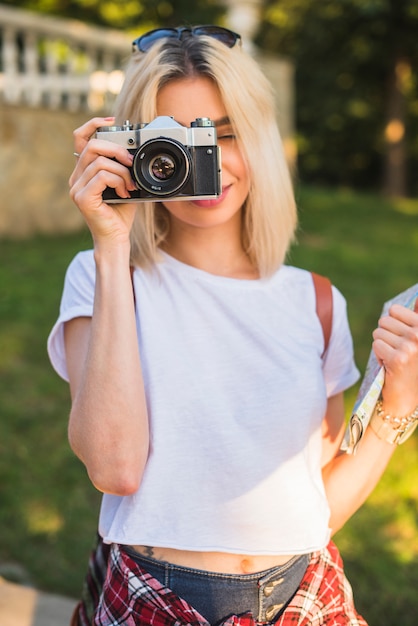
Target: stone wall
pixel 36 159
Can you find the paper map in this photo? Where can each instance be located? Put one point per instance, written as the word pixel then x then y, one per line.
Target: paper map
pixel 372 383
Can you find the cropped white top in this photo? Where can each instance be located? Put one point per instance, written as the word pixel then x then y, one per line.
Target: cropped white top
pixel 236 392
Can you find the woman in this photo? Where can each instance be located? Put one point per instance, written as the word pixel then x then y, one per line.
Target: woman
pixel 201 406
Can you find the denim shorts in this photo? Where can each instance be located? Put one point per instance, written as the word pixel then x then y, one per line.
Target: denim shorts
pixel 216 596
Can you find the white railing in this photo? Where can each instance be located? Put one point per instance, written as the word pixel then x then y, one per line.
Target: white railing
pixel 59 63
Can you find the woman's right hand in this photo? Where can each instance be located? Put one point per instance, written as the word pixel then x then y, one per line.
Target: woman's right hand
pixel 102 164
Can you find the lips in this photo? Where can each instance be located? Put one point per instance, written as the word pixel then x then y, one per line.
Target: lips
pixel 206 204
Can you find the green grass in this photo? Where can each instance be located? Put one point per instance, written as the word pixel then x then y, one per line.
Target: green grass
pixel 48 510
pixel 368 246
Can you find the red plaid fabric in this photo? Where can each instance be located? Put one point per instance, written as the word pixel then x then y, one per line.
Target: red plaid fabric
pixel 93 584
pixel 324 596
pixel 132 597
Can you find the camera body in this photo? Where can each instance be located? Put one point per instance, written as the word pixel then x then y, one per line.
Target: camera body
pixel 171 161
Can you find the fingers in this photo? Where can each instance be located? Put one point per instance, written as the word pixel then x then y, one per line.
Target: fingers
pixel 104 157
pixel 84 133
pixel 98 175
pixel 400 323
pixel 103 160
pixel 102 164
pixel 96 148
pixel 396 338
pixel 84 144
pixel 396 348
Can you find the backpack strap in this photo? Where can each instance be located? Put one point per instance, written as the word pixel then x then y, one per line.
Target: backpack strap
pixel 324 305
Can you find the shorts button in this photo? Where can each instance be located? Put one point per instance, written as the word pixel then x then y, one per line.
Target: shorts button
pixel 269 588
pixel 272 610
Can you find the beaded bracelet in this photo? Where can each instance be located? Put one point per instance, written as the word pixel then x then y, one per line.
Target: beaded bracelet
pixel 391 428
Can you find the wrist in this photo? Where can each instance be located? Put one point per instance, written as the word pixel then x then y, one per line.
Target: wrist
pixel 112 254
pixel 391 428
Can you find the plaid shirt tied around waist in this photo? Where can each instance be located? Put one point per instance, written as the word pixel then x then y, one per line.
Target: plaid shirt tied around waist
pixel 133 597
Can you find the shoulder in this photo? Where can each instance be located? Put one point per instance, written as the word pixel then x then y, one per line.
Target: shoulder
pixel 80 279
pixel 327 302
pixel 301 279
pixel 83 262
pixel 297 280
pixel 292 279
pixel 81 268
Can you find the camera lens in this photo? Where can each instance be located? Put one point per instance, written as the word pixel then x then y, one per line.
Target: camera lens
pixel 161 167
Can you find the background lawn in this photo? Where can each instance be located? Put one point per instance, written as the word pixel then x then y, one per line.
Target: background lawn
pixel 48 510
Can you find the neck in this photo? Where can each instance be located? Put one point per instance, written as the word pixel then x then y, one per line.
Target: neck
pixel 216 253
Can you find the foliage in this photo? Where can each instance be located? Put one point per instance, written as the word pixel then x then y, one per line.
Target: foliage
pixel 345 53
pixel 128 14
pixel 48 512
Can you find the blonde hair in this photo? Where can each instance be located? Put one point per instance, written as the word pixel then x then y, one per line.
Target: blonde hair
pixel 269 214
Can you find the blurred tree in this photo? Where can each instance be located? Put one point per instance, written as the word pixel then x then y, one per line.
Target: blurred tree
pixel 129 14
pixel 357 101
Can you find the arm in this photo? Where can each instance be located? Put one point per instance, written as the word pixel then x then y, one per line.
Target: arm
pixel 349 479
pixel 108 427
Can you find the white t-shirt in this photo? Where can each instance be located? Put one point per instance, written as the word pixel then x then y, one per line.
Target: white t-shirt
pixel 236 392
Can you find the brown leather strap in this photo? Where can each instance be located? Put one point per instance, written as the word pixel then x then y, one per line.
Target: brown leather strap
pixel 324 305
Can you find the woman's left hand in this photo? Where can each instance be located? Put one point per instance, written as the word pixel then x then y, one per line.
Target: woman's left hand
pixel 396 348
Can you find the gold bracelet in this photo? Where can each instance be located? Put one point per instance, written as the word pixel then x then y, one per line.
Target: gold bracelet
pixel 391 428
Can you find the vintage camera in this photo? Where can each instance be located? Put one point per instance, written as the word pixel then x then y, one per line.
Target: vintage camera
pixel 170 161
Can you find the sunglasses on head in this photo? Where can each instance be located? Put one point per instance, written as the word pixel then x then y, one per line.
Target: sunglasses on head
pixel 147 40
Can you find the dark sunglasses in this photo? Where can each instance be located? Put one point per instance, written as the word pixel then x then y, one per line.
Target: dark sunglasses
pixel 146 41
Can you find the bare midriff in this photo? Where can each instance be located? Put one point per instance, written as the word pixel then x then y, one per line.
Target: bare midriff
pixel 220 562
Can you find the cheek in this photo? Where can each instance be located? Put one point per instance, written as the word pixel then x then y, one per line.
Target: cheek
pixel 241 164
pixel 233 159
pixel 245 168
pixel 242 169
